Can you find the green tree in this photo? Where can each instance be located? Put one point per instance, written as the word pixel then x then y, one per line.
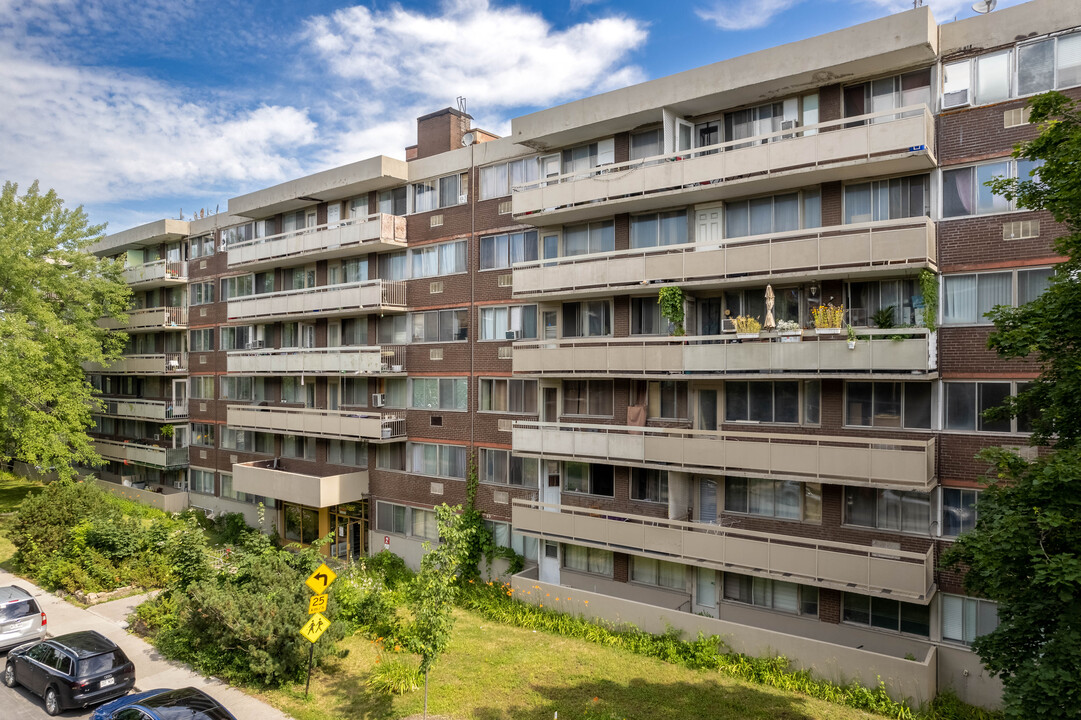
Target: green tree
pixel 45 521
pixel 52 293
pixel 1024 551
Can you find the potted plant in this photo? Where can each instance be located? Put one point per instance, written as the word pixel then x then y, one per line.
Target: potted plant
pixel 828 319
pixel 747 327
pixel 789 331
pixel 851 338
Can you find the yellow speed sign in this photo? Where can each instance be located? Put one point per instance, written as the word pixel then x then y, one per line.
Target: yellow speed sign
pixel 317 604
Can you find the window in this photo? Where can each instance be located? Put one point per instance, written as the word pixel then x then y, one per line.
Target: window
pixel 588 479
pixel 964 619
pixel 886 614
pixel 964 190
pixel 390 457
pixel 202 387
pixel 242 388
pixel 888 404
pixel 966 403
pixel 440 326
pixel 502 468
pixel 237 337
pixel 588 560
pixel 589 238
pixel 396 390
pixel 233 439
pixel 658 572
pixel 668 400
pixel 437 460
pixel 646 317
pixel 390 518
pixel 968 298
pixel 508 395
pixel 649 485
pixel 347 452
pixel 202 247
pixel 354 392
pixel 496 322
pixel 201 481
pixel 771 402
pixel 201 293
pixel 301 524
pixel 888 93
pixel 238 286
pixel 292 391
pixel 585 157
pixel 587 397
pixel 438 260
pixel 439 393
pixel 525 546
pixel 297 446
pixel 355 330
pixel 423 524
pixel 772 594
pixel 864 299
pixel 502 251
pixel 201 340
pixel 903 510
pixel 904 197
pixel 958 510
pixel 202 434
pixel 499 180
pixel 1040 66
pixel 392 202
pixel 591 318
pixel 443 192
pixel 393 329
pixel 659 229
pixel 785 499
pixel 393 266
pixel 647 144
pixel 777 213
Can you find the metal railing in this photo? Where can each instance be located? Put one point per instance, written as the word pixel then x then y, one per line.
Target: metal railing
pixel 345 360
pixel 350 233
pixel 145 409
pixel 156 270
pixel 337 299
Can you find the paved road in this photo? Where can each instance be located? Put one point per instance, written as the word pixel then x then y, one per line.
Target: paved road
pixel 151 669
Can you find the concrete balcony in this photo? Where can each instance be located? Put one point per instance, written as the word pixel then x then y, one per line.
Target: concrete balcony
pixel 157 364
pixel 156 410
pixel 861 461
pixel 881 143
pixel 152 455
pixel 883 248
pixel 724 355
pixel 369 360
pixel 348 238
pixel 272 478
pixel 324 301
pixel 150 319
pixel 313 422
pixel 159 273
pixel 863 569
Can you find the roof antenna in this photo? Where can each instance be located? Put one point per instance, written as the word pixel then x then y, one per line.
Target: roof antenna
pixel 461 105
pixel 985 6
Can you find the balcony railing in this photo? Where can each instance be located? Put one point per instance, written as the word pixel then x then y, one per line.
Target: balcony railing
pixel 889 141
pixel 319 361
pixel 313 422
pixel 159 410
pixel 141 454
pixel 157 364
pixel 325 300
pixel 861 461
pixel 829 251
pixel 159 318
pixel 339 239
pixel 159 272
pixel 904 351
pixel 845 566
pixel 267 478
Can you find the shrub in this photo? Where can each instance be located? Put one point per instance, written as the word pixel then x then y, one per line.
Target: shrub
pixel 390 567
pixel 394 677
pixel 365 603
pixel 43 525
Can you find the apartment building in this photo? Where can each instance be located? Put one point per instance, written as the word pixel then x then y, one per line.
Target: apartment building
pixel 338 347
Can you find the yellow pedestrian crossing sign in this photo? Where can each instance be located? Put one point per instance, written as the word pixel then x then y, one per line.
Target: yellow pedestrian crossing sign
pixel 317 625
pixel 317 604
pixel 321 579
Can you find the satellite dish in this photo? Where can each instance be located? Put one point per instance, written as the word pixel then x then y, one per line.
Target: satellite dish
pixel 468 138
pixel 985 6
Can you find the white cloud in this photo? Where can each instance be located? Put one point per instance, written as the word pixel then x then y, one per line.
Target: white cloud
pixel 99 136
pixel 498 57
pixel 743 15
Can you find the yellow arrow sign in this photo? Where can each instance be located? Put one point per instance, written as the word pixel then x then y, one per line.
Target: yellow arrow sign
pixel 321 579
pixel 317 625
pixel 317 604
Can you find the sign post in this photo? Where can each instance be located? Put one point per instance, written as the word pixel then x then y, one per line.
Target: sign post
pixel 317 623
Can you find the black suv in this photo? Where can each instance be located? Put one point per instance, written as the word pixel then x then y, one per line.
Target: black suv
pixel 71 671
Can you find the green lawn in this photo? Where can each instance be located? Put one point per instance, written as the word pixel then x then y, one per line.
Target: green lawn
pixel 496 671
pixel 13 489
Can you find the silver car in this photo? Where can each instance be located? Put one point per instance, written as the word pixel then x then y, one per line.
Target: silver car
pixel 21 618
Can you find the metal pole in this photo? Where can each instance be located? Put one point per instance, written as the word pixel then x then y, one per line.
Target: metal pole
pixel 311 656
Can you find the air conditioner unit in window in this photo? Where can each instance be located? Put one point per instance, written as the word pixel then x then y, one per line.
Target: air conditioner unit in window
pixel 514 334
pixel 379 399
pixel 254 345
pixel 463 199
pixel 728 325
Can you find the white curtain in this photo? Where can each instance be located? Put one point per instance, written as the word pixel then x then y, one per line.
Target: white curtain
pixel 959 303
pixel 992 289
pixel 493 181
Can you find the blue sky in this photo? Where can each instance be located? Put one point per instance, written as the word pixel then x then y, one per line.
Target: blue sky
pixel 139 110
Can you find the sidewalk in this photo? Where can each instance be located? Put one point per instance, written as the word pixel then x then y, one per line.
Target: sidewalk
pixel 151 669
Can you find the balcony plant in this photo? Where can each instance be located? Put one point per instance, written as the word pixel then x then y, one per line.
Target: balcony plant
pixel 670 300
pixel 851 338
pixel 827 319
pixel 747 327
pixel 789 330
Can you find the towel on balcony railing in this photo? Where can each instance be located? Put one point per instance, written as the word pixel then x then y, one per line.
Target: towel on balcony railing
pixel 636 415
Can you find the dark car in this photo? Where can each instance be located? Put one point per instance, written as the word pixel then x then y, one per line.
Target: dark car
pixel 184 704
pixel 21 620
pixel 71 671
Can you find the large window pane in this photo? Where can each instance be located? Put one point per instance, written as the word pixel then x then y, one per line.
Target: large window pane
pixel 960 406
pixel 918 405
pixel 959 303
pixel 987 201
pixel 992 289
pixel 992 395
pixel 1036 67
pixel 992 78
